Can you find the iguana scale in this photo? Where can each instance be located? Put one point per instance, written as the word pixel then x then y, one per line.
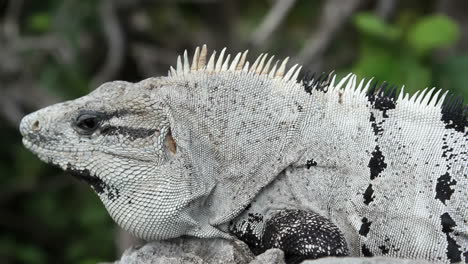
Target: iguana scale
pixel 313 166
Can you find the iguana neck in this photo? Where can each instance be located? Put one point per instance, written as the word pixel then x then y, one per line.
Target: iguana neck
pixel 234 128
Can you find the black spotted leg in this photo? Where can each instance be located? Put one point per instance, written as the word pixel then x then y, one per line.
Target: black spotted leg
pixel 303 235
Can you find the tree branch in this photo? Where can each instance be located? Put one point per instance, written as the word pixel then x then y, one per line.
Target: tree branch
pixel 115 43
pixel 10 24
pixel 335 14
pixel 271 22
pixel 385 8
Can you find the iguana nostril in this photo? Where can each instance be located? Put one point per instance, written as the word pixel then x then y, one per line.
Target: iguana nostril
pixel 36 126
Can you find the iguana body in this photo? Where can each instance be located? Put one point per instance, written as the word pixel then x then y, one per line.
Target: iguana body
pixel 223 147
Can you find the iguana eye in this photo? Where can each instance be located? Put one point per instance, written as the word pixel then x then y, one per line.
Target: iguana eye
pixel 86 123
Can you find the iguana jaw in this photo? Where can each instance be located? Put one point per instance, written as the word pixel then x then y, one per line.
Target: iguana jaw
pixel 130 159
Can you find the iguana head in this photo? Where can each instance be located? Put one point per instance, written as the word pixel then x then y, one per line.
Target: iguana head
pixel 118 140
pixel 117 120
pixel 167 155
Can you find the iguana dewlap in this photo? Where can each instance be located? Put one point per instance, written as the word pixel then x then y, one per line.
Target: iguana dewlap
pixel 314 166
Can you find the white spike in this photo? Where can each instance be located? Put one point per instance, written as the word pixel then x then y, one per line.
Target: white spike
pixel 296 74
pixel 202 58
pixel 196 55
pixel 273 70
pixel 260 65
pixel 210 66
pixel 351 85
pixel 282 68
pixel 219 63
pixel 426 99
pixel 331 86
pixel 359 87
pixel 433 102
pixel 253 68
pixel 242 61
pixel 353 88
pixel 186 63
pixel 366 88
pixel 414 97
pixel 267 66
pixel 246 67
pixel 235 61
pixel 442 99
pixel 179 65
pixel 349 88
pixel 421 97
pixel 342 81
pixel 406 98
pixel 172 71
pixel 332 73
pixel 226 63
pixel 290 73
pixel 402 93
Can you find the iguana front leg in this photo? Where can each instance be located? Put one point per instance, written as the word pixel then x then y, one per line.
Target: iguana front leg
pixel 300 234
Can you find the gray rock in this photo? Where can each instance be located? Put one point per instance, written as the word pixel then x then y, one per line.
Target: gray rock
pixel 188 250
pixel 211 251
pixel 271 256
pixel 373 260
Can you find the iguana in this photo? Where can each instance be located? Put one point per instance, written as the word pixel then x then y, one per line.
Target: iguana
pixel 314 166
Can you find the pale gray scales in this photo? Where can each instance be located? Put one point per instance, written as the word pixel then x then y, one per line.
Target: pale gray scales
pixel 219 145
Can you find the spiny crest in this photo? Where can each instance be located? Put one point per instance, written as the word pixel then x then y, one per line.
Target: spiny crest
pixel 374 91
pixel 261 65
pixel 384 97
pixel 381 96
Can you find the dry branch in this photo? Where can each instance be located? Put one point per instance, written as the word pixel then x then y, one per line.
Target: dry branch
pixel 335 14
pixel 271 22
pixel 115 44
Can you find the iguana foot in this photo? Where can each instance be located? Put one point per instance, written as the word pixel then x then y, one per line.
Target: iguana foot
pixel 303 235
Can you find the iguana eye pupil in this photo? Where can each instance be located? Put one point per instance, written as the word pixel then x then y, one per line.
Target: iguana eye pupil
pixel 87 123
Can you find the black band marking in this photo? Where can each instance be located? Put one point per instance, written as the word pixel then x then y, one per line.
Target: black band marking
pixel 365 227
pixel 453 249
pixel 369 195
pixel 99 186
pixel 376 163
pixel 366 251
pixel 455 114
pixel 443 188
pixel 132 133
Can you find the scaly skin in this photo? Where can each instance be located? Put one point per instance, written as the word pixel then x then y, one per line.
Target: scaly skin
pixel 314 167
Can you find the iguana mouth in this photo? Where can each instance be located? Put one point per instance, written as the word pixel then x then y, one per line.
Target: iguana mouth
pixel 38 149
pixel 86 176
pixel 99 186
pixel 37 138
pixel 41 147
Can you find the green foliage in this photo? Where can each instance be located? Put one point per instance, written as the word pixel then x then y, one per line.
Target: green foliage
pixel 372 25
pixel 452 74
pixel 397 53
pixel 39 22
pixel 432 32
pixel 47 216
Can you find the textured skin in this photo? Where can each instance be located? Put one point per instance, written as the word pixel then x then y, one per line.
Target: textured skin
pixel 304 234
pixel 224 147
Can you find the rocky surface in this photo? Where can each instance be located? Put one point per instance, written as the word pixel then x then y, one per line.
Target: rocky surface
pixel 189 250
pixel 211 251
pixel 373 260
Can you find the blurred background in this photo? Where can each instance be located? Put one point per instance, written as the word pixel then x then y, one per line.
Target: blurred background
pixel 53 50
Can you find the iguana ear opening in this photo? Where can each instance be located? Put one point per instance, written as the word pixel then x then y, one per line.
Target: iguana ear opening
pixel 170 143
